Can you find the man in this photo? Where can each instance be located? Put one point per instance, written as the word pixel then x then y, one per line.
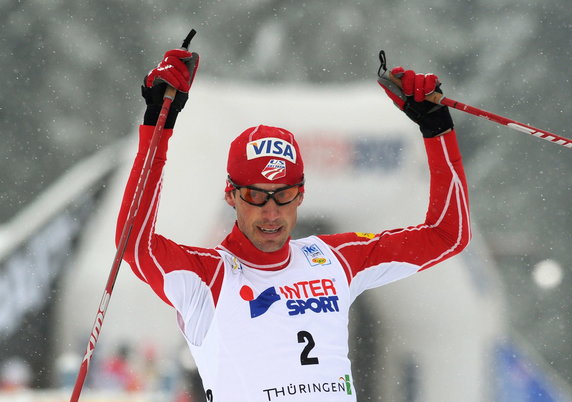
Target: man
pixel 266 317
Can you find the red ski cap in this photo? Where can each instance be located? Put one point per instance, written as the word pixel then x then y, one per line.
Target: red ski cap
pixel 264 154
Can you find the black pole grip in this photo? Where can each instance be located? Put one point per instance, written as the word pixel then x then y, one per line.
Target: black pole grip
pixel 383 63
pixel 187 40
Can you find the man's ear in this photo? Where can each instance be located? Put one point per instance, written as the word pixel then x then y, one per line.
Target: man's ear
pixel 230 199
pixel 300 199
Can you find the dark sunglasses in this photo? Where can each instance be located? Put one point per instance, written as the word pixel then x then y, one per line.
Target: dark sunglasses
pixel 259 197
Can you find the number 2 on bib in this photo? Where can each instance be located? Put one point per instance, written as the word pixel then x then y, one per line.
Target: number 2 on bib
pixel 305 359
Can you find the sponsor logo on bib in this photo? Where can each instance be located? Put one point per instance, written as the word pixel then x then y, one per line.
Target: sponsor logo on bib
pixel 317 296
pixel 315 256
pixel 260 304
pixel 342 385
pixel 314 296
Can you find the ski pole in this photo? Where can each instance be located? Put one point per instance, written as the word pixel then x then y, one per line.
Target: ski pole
pixel 168 97
pixel 440 99
pixel 515 125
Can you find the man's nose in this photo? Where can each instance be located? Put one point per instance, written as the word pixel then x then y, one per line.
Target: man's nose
pixel 271 209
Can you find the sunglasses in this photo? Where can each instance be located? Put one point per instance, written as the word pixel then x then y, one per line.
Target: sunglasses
pixel 259 197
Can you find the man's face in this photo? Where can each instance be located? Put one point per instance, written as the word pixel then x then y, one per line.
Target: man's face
pixel 269 226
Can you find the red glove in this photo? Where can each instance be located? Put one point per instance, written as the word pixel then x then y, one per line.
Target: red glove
pixel 412 84
pixel 178 70
pixel 175 69
pixel 433 119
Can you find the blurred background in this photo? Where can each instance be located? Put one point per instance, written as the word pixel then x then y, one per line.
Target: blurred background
pixel 72 72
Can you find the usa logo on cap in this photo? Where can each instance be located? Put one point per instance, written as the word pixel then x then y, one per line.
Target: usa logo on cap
pixel 275 169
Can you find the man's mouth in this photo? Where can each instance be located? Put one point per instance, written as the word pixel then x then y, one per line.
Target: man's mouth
pixel 269 230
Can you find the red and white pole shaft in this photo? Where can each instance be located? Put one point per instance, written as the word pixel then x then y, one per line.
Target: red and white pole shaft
pixel 515 125
pixel 168 97
pixel 170 93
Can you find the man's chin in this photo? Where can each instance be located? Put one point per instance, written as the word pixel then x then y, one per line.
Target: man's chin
pixel 269 246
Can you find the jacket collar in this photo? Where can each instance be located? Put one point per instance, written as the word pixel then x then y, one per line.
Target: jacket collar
pixel 242 248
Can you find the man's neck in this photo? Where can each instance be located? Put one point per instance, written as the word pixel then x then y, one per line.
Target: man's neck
pixel 240 246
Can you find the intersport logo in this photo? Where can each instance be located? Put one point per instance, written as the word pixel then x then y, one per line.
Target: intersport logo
pixel 316 296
